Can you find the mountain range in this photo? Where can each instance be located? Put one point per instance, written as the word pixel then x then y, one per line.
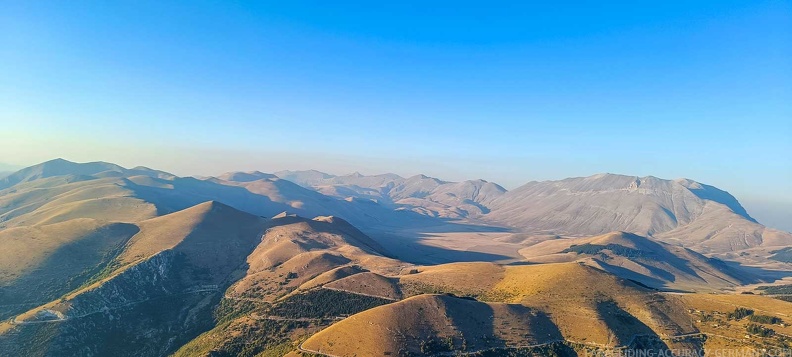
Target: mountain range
pixel 682 211
pixel 99 259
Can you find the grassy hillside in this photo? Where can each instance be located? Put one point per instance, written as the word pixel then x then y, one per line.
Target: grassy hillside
pixel 165 282
pixel 42 263
pixel 648 261
pixel 102 260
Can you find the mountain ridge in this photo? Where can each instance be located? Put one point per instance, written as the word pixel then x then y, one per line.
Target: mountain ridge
pixel 680 211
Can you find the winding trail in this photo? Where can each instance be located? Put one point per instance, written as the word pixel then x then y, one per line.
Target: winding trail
pixel 63 317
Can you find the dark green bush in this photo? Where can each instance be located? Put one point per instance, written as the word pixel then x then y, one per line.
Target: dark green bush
pixel 764 319
pixel 740 313
pixel 760 331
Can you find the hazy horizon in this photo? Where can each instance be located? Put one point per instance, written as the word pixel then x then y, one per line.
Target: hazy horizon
pixel 508 94
pixel 772 213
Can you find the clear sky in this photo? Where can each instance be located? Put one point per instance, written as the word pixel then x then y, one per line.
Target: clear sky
pixel 505 91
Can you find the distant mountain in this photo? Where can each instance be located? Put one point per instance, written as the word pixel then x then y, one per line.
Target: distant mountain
pixel 602 203
pixel 61 167
pixel 305 178
pixel 59 190
pixel 420 193
pixel 680 211
pixel 9 168
pixel 238 176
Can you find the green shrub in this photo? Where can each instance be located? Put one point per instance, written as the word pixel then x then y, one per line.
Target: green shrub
pixel 617 249
pixel 776 289
pixel 764 319
pixel 740 313
pixel 760 331
pixel 325 303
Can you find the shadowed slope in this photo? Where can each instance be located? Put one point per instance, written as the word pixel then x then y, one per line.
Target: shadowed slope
pixel 526 308
pixel 631 256
pixel 443 324
pixel 39 264
pixel 166 282
pixel 295 250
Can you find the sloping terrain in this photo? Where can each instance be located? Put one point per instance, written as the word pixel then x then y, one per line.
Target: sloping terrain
pixel 642 259
pixel 445 324
pixel 558 307
pixel 41 263
pixel 602 203
pixel 103 260
pixel 305 178
pixel 296 250
pixel 303 276
pixel 166 281
pixel 695 215
pixel 548 309
pixel 683 211
pixel 61 167
pixel 60 190
pixel 422 194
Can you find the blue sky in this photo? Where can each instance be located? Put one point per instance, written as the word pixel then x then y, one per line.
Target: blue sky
pixel 509 92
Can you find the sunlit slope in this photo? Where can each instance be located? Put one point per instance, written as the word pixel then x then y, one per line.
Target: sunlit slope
pixel 711 312
pixel 59 190
pixel 296 250
pixel 58 199
pixel 41 263
pixel 518 306
pixel 61 167
pixel 554 308
pixel 642 259
pixel 683 211
pixel 304 275
pixel 430 324
pixel 166 282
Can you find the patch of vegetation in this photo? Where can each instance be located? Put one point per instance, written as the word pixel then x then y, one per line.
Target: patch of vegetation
pixel 617 249
pixel 739 313
pixel 776 289
pixel 765 319
pixel 784 298
pixel 759 330
pixel 417 288
pixel 245 339
pixel 434 346
pixel 706 317
pixel 230 309
pixel 466 297
pixel 557 349
pixel 276 350
pixel 782 255
pixel 325 303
